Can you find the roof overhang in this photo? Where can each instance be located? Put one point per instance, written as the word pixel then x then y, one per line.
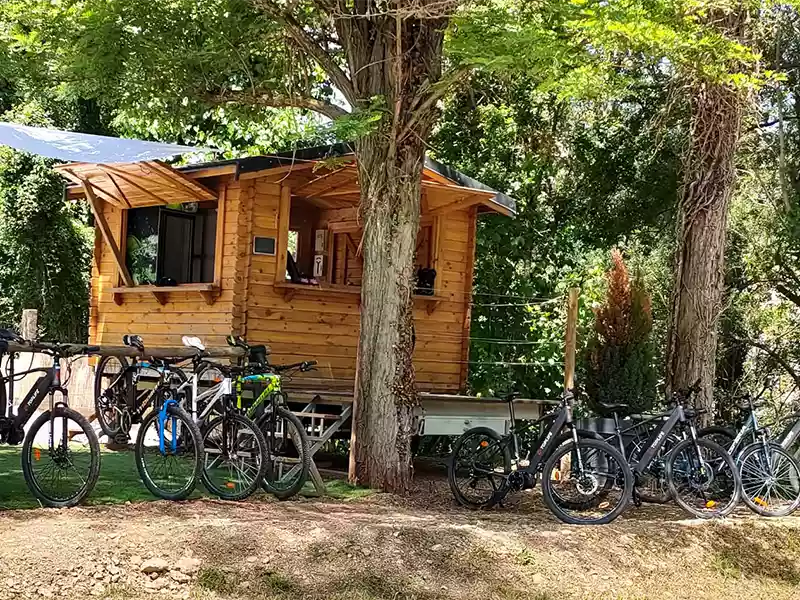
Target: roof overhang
pixel 325 176
pixel 131 185
pixel 320 172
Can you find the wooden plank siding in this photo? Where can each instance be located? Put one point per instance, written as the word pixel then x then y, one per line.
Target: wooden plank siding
pixel 311 323
pixel 324 325
pixel 184 313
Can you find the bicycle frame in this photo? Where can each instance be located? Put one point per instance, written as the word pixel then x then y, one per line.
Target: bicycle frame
pixel 48 384
pixel 545 443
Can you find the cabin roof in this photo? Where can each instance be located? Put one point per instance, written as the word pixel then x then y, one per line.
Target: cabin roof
pixel 253 164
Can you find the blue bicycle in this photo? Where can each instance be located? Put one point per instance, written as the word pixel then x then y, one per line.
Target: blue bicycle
pixel 169 445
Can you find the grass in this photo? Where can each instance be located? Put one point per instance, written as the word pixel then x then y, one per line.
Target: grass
pixel 118 483
pixel 341 490
pixel 215 580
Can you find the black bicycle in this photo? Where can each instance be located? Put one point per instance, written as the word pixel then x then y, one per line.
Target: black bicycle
pixel 61 452
pixel 169 445
pixel 769 470
pixel 124 390
pixel 701 476
pixel 584 479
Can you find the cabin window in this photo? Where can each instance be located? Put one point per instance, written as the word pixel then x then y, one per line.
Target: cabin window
pixel 324 245
pixel 172 245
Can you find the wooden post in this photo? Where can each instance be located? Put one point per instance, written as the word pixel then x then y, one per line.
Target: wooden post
pixel 29 326
pixel 570 345
pixel 352 474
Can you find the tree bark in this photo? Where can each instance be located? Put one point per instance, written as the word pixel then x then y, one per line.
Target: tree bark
pixel 393 57
pixel 708 184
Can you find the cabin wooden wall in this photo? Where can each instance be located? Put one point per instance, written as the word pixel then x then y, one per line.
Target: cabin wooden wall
pixel 183 314
pixel 324 325
pixel 312 324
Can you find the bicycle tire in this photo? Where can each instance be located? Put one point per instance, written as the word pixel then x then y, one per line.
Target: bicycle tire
pixel 549 493
pixel 28 457
pixel 100 410
pixel 760 508
pixel 224 492
pixel 278 488
pixel 195 446
pixel 633 450
pixel 718 434
pixel 723 455
pixel 452 468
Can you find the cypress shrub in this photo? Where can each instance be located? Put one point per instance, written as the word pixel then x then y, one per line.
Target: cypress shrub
pixel 620 360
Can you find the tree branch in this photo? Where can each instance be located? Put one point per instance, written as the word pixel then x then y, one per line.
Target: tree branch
pixel 429 96
pixel 307 43
pixel 282 100
pixel 775 356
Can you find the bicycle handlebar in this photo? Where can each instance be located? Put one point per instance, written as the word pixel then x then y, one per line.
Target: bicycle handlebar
pixel 305 366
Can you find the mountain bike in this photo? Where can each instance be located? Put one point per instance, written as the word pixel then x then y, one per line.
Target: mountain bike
pixel 290 451
pixel 124 390
pixel 59 470
pixel 169 445
pixel 584 479
pixel 770 473
pixel 631 436
pixel 701 476
pixel 236 454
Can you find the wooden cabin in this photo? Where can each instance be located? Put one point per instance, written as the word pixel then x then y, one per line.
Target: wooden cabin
pixel 202 250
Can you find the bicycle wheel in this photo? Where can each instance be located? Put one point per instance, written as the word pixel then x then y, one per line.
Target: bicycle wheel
pixel 111 393
pixel 706 485
pixel 723 436
pixel 478 468
pixel 172 473
pixel 586 484
pixel 769 480
pixel 235 456
pixel 62 472
pixel 289 453
pixel 652 485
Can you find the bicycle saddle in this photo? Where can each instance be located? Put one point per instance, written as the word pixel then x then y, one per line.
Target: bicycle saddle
pixel 133 341
pixel 612 406
pixel 511 396
pixel 193 342
pixel 258 354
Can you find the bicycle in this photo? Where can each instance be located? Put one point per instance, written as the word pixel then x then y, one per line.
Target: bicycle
pixel 168 448
pixel 121 401
pixel 236 454
pixel 580 462
pixel 770 474
pixel 650 485
pixel 289 448
pixel 701 476
pixel 58 470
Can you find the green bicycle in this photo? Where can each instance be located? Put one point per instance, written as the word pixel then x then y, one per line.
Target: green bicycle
pixel 289 448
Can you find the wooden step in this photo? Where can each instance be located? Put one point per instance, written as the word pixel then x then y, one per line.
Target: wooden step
pixel 314 415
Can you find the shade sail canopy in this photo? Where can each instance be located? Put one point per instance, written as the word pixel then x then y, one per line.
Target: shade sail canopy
pixel 83 147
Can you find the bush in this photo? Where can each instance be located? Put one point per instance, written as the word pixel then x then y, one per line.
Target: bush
pixel 45 249
pixel 620 360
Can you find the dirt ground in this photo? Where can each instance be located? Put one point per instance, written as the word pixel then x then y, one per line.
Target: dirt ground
pixel 385 547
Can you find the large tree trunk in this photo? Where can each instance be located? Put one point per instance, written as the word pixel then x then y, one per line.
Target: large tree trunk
pixel 391 56
pixel 385 391
pixel 708 183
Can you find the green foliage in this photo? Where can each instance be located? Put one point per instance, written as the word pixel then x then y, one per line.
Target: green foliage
pixel 620 359
pixel 45 250
pixel 587 176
